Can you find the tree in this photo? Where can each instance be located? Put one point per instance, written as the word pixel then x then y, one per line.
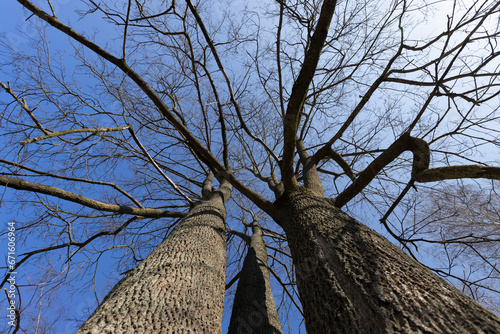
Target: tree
pixel 254 309
pixel 180 285
pixel 305 108
pixel 463 219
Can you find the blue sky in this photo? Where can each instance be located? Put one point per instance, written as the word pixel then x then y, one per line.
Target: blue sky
pixel 70 305
pixel 13 24
pixel 16 29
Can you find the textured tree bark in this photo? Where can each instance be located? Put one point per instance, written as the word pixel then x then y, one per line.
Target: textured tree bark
pixel 179 287
pixel 353 280
pixel 254 310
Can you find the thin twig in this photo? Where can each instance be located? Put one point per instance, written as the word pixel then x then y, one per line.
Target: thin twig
pixel 228 81
pixel 176 188
pixel 52 9
pixel 24 105
pixel 286 290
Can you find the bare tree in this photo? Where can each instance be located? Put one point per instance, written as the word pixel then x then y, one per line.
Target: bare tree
pixel 461 224
pixel 180 285
pixel 304 107
pixel 254 309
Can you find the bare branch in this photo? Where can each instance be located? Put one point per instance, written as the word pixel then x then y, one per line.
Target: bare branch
pixel 85 201
pixel 66 132
pixel 299 92
pixel 124 46
pixel 197 147
pixel 130 197
pixel 228 81
pixel 420 170
pixel 24 105
pixel 176 188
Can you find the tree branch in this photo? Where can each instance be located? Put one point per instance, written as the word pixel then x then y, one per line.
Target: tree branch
pixel 70 243
pixel 299 92
pixel 130 197
pixel 242 236
pixel 206 156
pixel 24 105
pixel 85 201
pixel 226 78
pixel 66 132
pixel 176 188
pixel 369 173
pixel 420 170
pixel 322 152
pixel 335 156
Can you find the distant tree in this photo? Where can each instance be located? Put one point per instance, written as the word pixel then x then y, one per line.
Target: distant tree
pixel 254 310
pixel 306 108
pixel 462 224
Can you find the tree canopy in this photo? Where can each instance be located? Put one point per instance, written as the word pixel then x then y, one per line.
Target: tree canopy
pixel 113 114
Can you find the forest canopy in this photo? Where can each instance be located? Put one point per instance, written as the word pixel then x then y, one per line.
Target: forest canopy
pixel 113 114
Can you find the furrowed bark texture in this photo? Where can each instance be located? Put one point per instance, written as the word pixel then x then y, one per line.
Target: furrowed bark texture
pixel 179 287
pixel 254 310
pixel 353 280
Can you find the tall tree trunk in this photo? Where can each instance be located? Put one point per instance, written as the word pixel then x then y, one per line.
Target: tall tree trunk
pixel 179 287
pixel 353 280
pixel 254 310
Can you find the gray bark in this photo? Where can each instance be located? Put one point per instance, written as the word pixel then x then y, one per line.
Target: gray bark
pixel 254 310
pixel 353 280
pixel 179 287
pixel 310 171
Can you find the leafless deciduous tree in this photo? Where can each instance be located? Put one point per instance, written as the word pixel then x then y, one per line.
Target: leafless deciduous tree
pixel 310 110
pixel 254 310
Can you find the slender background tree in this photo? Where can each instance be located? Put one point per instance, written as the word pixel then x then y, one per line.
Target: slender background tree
pixel 384 110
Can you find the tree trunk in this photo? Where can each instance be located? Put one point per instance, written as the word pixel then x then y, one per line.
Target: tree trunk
pixel 353 280
pixel 254 310
pixel 179 287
